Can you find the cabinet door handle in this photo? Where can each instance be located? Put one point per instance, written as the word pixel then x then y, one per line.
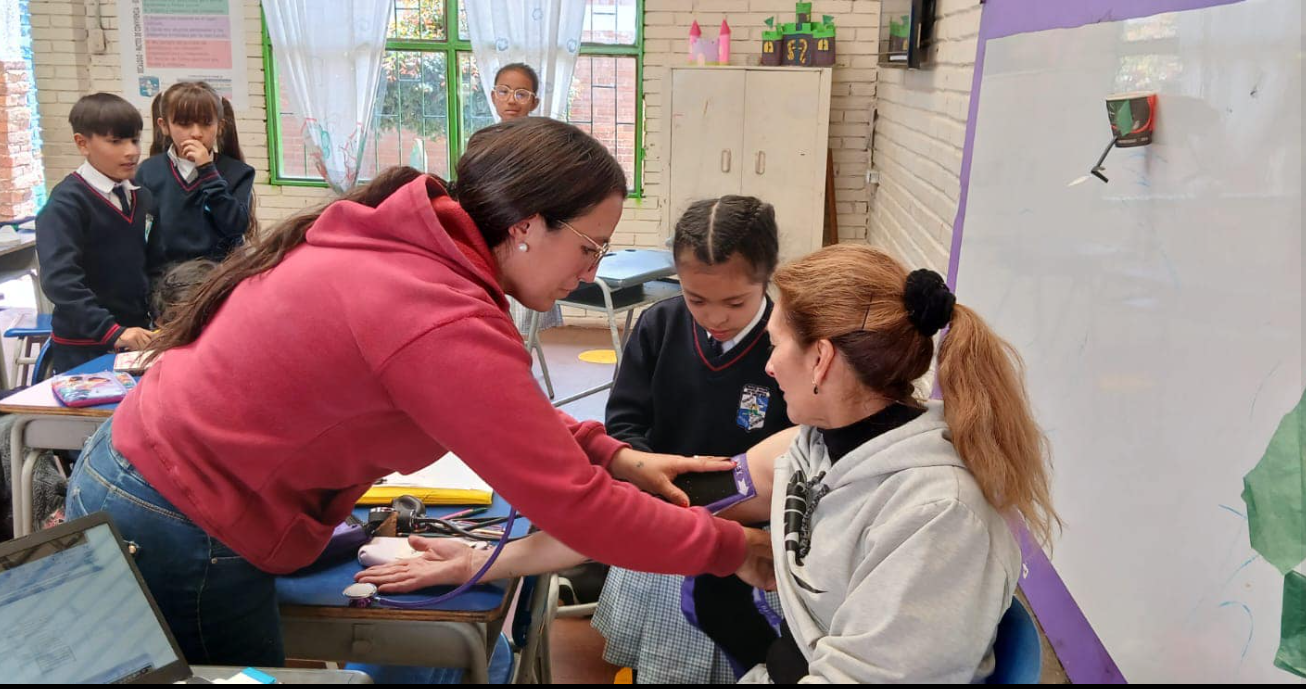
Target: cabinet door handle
pixel 725 160
pixel 760 168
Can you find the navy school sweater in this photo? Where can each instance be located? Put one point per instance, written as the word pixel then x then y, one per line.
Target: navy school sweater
pixel 92 261
pixel 672 396
pixel 206 218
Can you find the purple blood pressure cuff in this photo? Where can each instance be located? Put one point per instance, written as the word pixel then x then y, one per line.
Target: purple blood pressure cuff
pixel 719 490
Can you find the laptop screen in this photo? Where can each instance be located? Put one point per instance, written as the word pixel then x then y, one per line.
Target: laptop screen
pixel 73 609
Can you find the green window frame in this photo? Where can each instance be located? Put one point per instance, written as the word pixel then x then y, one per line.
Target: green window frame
pixel 454 48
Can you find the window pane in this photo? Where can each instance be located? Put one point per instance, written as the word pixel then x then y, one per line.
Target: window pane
pixel 418 20
pixel 603 103
pixel 610 22
pixel 293 156
pixel 412 115
pixel 476 109
pixel 410 124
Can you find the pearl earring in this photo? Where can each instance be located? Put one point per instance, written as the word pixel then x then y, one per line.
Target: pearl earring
pixel 523 248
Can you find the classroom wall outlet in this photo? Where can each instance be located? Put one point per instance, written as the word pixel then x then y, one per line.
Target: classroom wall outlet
pixel 873 177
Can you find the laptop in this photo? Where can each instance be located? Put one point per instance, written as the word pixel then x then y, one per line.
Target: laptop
pixel 74 609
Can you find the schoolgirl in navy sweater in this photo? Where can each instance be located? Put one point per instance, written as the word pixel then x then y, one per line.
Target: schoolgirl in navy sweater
pixel 202 188
pixel 692 381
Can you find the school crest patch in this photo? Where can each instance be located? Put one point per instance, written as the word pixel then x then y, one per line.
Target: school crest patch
pixel 753 402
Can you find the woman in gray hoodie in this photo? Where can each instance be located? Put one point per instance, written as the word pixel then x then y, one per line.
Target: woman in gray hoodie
pixel 890 517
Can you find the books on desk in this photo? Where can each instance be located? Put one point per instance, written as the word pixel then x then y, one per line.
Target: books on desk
pixel 447 481
pixel 91 389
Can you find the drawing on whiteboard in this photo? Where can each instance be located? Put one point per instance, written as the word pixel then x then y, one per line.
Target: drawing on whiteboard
pixel 1273 492
pixel 1292 631
pixel 1275 495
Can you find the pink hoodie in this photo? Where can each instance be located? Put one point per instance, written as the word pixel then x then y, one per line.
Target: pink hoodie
pixel 375 347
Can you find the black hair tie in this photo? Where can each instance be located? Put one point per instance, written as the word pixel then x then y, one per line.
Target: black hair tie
pixel 928 300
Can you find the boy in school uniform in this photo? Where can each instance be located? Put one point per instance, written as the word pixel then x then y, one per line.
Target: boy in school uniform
pixel 91 239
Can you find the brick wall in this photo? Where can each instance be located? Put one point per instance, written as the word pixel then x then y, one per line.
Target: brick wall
pixel 71 62
pixel 20 161
pixel 68 66
pixel 666 30
pixel 19 167
pixel 919 115
pixel 920 131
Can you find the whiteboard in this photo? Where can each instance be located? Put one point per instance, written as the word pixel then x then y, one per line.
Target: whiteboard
pixel 1159 315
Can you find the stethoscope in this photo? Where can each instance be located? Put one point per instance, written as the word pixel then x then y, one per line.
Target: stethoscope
pixel 367 595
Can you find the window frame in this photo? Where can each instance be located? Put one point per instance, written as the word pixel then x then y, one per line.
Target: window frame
pixel 451 47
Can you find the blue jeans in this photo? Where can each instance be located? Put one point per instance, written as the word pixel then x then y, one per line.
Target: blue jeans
pixel 221 609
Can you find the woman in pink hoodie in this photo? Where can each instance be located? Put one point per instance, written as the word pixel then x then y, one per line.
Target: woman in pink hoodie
pixel 371 337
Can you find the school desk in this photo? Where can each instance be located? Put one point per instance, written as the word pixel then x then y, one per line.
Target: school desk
pixel 317 622
pixel 42 423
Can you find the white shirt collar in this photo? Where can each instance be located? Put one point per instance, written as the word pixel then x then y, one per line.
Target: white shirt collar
pixel 730 344
pixel 103 184
pixel 185 167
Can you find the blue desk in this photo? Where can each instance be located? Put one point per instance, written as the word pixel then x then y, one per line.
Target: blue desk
pixel 317 623
pixel 322 587
pixel 43 423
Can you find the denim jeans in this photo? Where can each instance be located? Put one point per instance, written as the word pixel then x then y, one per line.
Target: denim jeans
pixel 221 609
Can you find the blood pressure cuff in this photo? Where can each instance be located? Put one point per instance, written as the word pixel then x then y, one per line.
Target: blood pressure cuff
pixel 719 490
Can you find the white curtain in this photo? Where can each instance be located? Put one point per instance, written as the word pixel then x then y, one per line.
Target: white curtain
pixel 11 31
pixel 329 57
pixel 544 34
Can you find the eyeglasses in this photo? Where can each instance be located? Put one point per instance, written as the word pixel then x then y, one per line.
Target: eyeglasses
pixel 601 249
pixel 520 95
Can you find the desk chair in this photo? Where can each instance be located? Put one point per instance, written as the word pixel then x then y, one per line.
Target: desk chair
pixel 1017 650
pixel 33 334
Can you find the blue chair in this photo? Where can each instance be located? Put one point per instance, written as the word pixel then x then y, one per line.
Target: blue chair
pixel 32 337
pixel 44 362
pixel 1017 650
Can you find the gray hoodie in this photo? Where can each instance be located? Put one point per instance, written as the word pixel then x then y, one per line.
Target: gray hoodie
pixel 901 571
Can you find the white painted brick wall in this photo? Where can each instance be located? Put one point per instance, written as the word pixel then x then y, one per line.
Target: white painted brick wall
pixel 920 131
pixel 666 30
pixel 917 145
pixel 66 70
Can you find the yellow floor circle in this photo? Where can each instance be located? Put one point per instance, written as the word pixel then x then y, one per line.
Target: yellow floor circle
pixel 599 356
